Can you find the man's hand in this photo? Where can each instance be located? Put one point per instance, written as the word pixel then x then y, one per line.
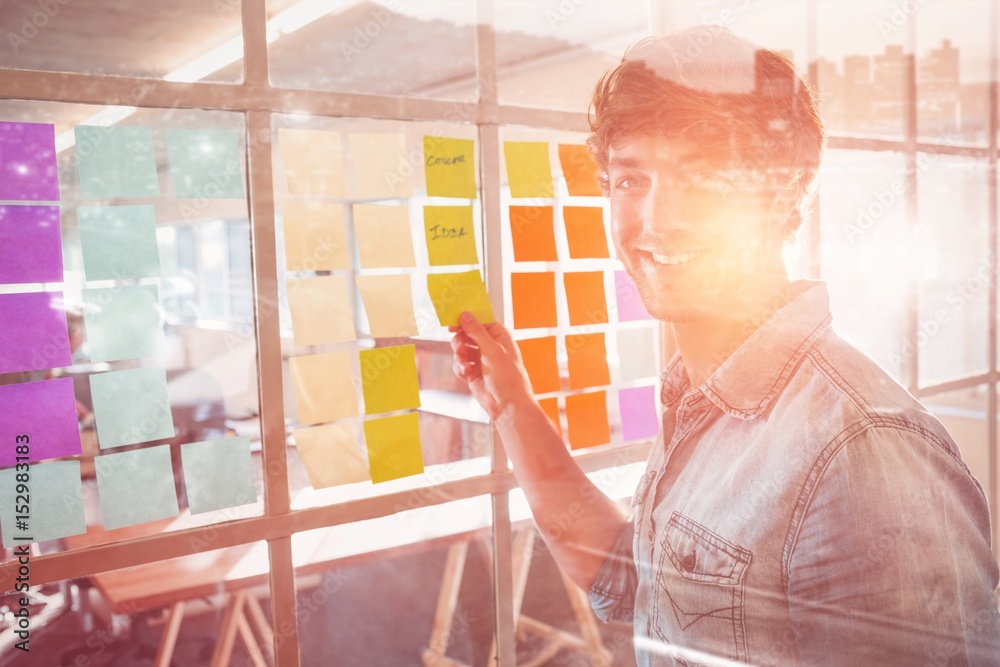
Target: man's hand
pixel 488 359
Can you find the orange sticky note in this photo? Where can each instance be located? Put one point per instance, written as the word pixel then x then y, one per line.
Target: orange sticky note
pixel 314 237
pixel 529 173
pixel 314 162
pixel 585 297
pixel 580 170
pixel 450 167
pixel 587 359
pixel 331 455
pixel 451 238
pixel 324 386
pixel 534 299
pixel 394 447
pixel 587 419
pixel 389 379
pixel 539 355
pixel 531 229
pixel 453 293
pixel 551 408
pixel 585 232
pixel 320 310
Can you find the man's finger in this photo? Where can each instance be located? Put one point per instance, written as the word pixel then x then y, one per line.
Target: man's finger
pixel 475 330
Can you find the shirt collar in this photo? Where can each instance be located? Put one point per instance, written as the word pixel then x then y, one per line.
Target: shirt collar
pixel 749 380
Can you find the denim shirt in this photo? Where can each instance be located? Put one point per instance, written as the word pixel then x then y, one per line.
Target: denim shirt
pixel 801 507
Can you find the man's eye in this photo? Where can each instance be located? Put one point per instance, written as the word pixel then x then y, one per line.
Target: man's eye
pixel 627 183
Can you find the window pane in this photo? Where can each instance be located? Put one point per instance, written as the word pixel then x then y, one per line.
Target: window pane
pixel 963 413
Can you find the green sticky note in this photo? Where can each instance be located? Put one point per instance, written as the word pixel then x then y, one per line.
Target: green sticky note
pixel 218 474
pixel 394 447
pixel 55 507
pixel 529 173
pixel 205 164
pixel 118 242
pixel 136 487
pixel 453 293
pixel 131 406
pixel 450 236
pixel 116 161
pixel 389 379
pixel 450 167
pixel 123 322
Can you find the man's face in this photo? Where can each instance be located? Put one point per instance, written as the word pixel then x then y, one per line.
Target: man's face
pixel 693 236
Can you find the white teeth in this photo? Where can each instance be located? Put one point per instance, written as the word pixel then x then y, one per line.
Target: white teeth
pixel 674 259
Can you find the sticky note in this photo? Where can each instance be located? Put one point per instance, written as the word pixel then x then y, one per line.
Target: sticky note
pixel 331 455
pixel 579 170
pixel 534 299
pixel 205 164
pixel 384 239
pixel 45 411
pixel 450 236
pixel 33 332
pixel 389 379
pixel 539 356
pixel 630 306
pixel 585 297
pixel 123 322
pixel 533 235
pixel 324 386
pixel 550 406
pixel 56 503
pixel 28 169
pixel 637 406
pixel 637 354
pixel 314 237
pixel 450 167
pixel 587 420
pixel 389 305
pixel 116 161
pixel 218 474
pixel 118 242
pixel 587 359
pixel 321 312
pixel 394 447
pixel 136 487
pixel 30 244
pixel 131 406
pixel 381 165
pixel 529 173
pixel 453 293
pixel 314 162
pixel 585 232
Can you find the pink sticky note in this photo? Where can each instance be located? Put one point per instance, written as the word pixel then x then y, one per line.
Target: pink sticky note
pixel 44 411
pixel 33 332
pixel 630 306
pixel 637 406
pixel 28 162
pixel 30 245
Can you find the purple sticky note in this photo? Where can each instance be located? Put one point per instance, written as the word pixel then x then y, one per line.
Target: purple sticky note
pixel 33 332
pixel 30 245
pixel 637 406
pixel 45 412
pixel 630 306
pixel 28 162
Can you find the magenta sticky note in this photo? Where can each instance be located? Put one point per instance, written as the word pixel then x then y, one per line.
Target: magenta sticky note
pixel 637 406
pixel 28 162
pixel 30 245
pixel 43 411
pixel 630 306
pixel 33 332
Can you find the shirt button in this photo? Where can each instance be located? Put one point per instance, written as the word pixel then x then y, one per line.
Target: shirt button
pixel 652 534
pixel 688 562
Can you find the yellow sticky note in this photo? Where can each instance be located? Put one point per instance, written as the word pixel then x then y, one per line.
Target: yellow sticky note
pixel 451 238
pixel 389 379
pixel 314 237
pixel 529 173
pixel 321 312
pixel 314 162
pixel 381 165
pixel 454 293
pixel 331 455
pixel 394 447
pixel 389 305
pixel 384 240
pixel 450 167
pixel 324 387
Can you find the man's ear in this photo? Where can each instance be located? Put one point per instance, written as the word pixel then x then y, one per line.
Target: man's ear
pixel 784 214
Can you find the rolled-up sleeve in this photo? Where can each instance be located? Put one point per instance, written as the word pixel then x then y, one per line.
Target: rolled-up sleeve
pixel 612 595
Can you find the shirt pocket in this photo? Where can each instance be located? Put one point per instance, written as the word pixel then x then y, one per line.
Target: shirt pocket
pixel 698 603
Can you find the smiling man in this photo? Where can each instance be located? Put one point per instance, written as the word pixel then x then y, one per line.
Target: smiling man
pixel 799 507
